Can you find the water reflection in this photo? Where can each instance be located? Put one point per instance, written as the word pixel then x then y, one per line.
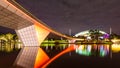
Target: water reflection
pixel 35 57
pixel 51 51
pixel 10 48
pixel 8 54
pixel 31 57
pixel 69 49
pixel 95 50
pixel 100 50
pixel 41 57
pixel 116 48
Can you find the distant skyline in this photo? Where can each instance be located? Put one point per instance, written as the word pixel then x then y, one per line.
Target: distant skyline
pixel 77 15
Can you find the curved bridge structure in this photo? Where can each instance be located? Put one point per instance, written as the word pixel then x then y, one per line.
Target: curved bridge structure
pixel 29 29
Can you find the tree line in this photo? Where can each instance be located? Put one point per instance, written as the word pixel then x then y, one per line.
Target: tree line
pixel 8 38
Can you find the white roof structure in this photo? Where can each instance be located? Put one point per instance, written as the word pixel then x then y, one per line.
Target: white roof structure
pixel 86 33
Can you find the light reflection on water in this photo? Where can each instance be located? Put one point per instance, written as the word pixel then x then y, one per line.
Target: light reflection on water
pixel 8 54
pixel 10 48
pixel 95 50
pixel 45 55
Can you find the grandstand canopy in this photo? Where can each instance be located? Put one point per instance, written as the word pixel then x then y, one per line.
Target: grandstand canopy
pixel 86 33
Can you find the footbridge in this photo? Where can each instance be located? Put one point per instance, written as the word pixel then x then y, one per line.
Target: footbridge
pixel 30 30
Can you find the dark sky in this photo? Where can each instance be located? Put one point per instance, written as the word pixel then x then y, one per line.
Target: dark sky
pixel 77 15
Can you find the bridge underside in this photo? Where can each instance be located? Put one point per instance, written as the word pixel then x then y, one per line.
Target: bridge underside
pixel 29 31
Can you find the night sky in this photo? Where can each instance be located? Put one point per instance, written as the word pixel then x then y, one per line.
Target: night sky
pixel 77 15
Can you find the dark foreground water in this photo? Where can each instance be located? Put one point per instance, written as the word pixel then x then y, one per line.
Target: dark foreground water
pixel 61 56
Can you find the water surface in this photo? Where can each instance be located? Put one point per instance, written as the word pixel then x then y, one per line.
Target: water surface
pixel 62 56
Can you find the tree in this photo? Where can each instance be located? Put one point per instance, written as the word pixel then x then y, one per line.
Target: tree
pixel 9 37
pixel 3 38
pixel 114 36
pixel 95 34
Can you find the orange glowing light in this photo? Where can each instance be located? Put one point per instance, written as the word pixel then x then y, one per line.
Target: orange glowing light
pixel 41 33
pixel 41 58
pixel 71 48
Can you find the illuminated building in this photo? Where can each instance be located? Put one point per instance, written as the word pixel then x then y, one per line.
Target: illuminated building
pixel 86 33
pixel 93 35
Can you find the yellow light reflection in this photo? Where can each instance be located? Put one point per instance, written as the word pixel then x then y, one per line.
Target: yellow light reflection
pixel 116 47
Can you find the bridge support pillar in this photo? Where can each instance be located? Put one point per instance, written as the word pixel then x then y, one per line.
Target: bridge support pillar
pixel 32 35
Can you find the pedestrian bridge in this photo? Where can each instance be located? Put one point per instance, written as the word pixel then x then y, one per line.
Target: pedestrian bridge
pixel 30 30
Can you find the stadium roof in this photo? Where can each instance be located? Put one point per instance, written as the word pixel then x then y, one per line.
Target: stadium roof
pixel 86 33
